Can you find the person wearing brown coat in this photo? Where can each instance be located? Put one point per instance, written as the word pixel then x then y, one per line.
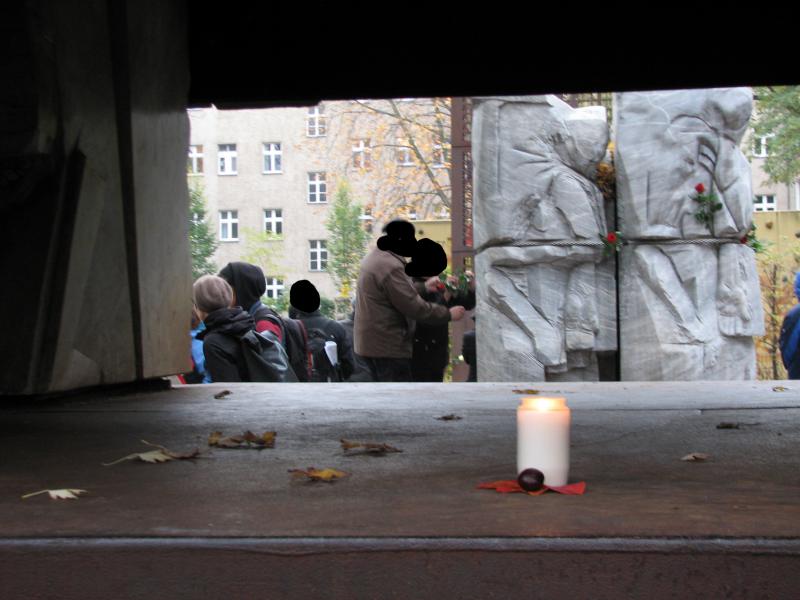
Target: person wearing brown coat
pixel 388 305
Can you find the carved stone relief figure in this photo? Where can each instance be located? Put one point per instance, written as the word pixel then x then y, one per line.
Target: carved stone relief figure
pixel 545 305
pixel 688 310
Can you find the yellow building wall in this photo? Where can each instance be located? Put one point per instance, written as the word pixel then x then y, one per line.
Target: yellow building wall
pixel 439 231
pixel 781 231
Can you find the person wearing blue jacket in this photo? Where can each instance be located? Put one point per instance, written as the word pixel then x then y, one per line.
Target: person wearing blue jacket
pixel 790 336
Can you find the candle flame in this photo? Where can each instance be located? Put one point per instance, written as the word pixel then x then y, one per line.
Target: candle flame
pixel 543 404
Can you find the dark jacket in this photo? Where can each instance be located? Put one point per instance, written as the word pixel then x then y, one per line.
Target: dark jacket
pixel 249 285
pixel 361 370
pixel 316 320
pixel 790 336
pixel 387 306
pixel 221 346
pixel 432 341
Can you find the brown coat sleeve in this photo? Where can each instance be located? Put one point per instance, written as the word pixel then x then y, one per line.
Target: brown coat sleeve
pixel 405 298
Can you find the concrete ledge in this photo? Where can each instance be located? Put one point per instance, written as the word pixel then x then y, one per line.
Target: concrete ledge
pixel 408 525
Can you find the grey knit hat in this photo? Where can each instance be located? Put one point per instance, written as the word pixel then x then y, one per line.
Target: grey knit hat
pixel 212 293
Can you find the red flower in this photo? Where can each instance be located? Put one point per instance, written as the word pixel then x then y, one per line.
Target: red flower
pixel 700 188
pixel 612 238
pixel 743 240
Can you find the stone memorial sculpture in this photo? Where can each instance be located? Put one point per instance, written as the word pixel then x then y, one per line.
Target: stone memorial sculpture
pixel 546 296
pixel 689 291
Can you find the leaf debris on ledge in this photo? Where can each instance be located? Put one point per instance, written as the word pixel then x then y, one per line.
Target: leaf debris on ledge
pixel 450 417
pixel 368 447
pixel 63 494
pixel 156 456
pixel 313 474
pixel 247 440
pixel 696 457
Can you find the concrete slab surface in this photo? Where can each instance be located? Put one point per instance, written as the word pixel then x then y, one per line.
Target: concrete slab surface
pixel 627 442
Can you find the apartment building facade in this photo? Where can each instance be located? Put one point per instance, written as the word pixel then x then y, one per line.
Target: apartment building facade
pixel 269 177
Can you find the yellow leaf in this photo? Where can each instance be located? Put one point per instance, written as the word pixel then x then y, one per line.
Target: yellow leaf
pixel 62 494
pixel 214 438
pixel 328 475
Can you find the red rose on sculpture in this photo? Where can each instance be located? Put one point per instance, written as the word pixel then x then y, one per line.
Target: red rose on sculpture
pixel 612 237
pixel 743 240
pixel 700 188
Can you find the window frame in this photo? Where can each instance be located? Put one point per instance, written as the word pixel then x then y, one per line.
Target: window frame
pixel 316 184
pixel 231 155
pixel 273 156
pixel 764 205
pixel 231 220
pixel 316 121
pixel 363 152
pixel 276 218
pixel 193 157
pixel 278 287
pixel 318 247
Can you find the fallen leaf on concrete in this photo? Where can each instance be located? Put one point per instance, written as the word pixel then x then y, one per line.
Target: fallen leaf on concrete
pixel 156 456
pixel 780 388
pixel 526 392
pixel 448 418
pixel 247 440
pixel 726 425
pixel 222 394
pixel 370 447
pixel 696 457
pixel 312 474
pixel 64 494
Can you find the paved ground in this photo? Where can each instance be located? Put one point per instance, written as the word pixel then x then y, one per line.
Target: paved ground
pixel 627 441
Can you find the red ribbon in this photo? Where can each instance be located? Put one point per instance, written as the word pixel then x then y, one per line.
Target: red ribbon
pixel 510 486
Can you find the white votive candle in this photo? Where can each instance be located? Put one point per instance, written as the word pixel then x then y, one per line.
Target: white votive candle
pixel 543 438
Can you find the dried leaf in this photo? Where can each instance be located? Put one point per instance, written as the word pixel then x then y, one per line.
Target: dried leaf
pixel 63 494
pixel 222 394
pixel 247 440
pixel 328 475
pixel 448 418
pixel 727 425
pixel 696 457
pixel 526 392
pixel 160 455
pixel 780 388
pixel 370 447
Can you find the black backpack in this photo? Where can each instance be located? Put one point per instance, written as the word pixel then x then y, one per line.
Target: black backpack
pixel 293 340
pixel 321 367
pixel 265 358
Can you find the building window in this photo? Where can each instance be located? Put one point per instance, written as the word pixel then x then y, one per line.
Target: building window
pixel 315 122
pixel 195 160
pixel 274 287
pixel 405 156
pixel 317 188
pixel 440 156
pixel 764 203
pixel 361 154
pixel 318 255
pixel 272 157
pixel 227 159
pixel 229 225
pixel 273 221
pixel 761 146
